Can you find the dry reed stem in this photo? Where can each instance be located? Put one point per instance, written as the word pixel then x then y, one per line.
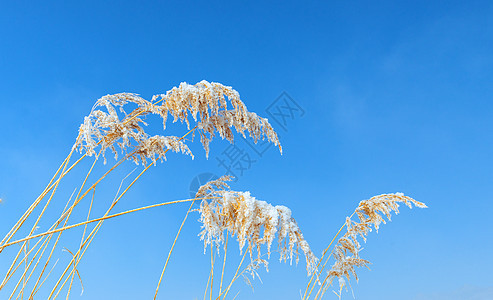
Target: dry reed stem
pixel 19 223
pixel 25 271
pixel 51 252
pixel 234 278
pixel 75 270
pixel 83 234
pixel 207 285
pixel 82 240
pixel 26 215
pixel 29 211
pixel 12 270
pixel 42 247
pixel 21 218
pixel 88 241
pixel 171 250
pixel 212 272
pixel 323 267
pixel 224 264
pixel 105 218
pixel 100 222
pixel 34 205
pixel 48 275
pixel 47 240
pixel 111 207
pixel 32 260
pixel 67 213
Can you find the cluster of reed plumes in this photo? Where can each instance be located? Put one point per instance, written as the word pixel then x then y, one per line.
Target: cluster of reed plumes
pixel 207 109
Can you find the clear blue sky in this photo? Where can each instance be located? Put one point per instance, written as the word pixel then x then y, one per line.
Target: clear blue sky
pixel 397 97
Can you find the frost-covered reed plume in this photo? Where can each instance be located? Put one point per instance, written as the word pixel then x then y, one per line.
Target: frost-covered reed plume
pixel 370 214
pixel 206 103
pixel 243 216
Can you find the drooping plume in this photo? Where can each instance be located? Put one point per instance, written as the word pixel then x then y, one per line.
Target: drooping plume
pixel 253 222
pixel 211 107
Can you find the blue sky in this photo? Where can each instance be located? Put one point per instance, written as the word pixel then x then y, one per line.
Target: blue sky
pixel 396 98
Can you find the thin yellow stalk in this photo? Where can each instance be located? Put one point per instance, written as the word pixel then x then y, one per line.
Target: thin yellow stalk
pixel 323 288
pixel 212 271
pixel 82 239
pixel 68 212
pixel 64 215
pixel 23 278
pixel 30 210
pixel 48 275
pixel 172 247
pixel 236 295
pixel 321 270
pixel 43 246
pixel 89 238
pixel 26 256
pixel 21 221
pixel 32 230
pixel 207 285
pixel 224 263
pixel 21 218
pixel 93 233
pixel 234 278
pixel 75 270
pixel 107 212
pixel 305 297
pixel 100 222
pixel 103 218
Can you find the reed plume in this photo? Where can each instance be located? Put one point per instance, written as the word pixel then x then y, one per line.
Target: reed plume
pixel 243 216
pixel 370 214
pixel 204 102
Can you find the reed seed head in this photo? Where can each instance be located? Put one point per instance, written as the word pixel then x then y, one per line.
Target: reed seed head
pixel 213 107
pixel 371 213
pixel 253 222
